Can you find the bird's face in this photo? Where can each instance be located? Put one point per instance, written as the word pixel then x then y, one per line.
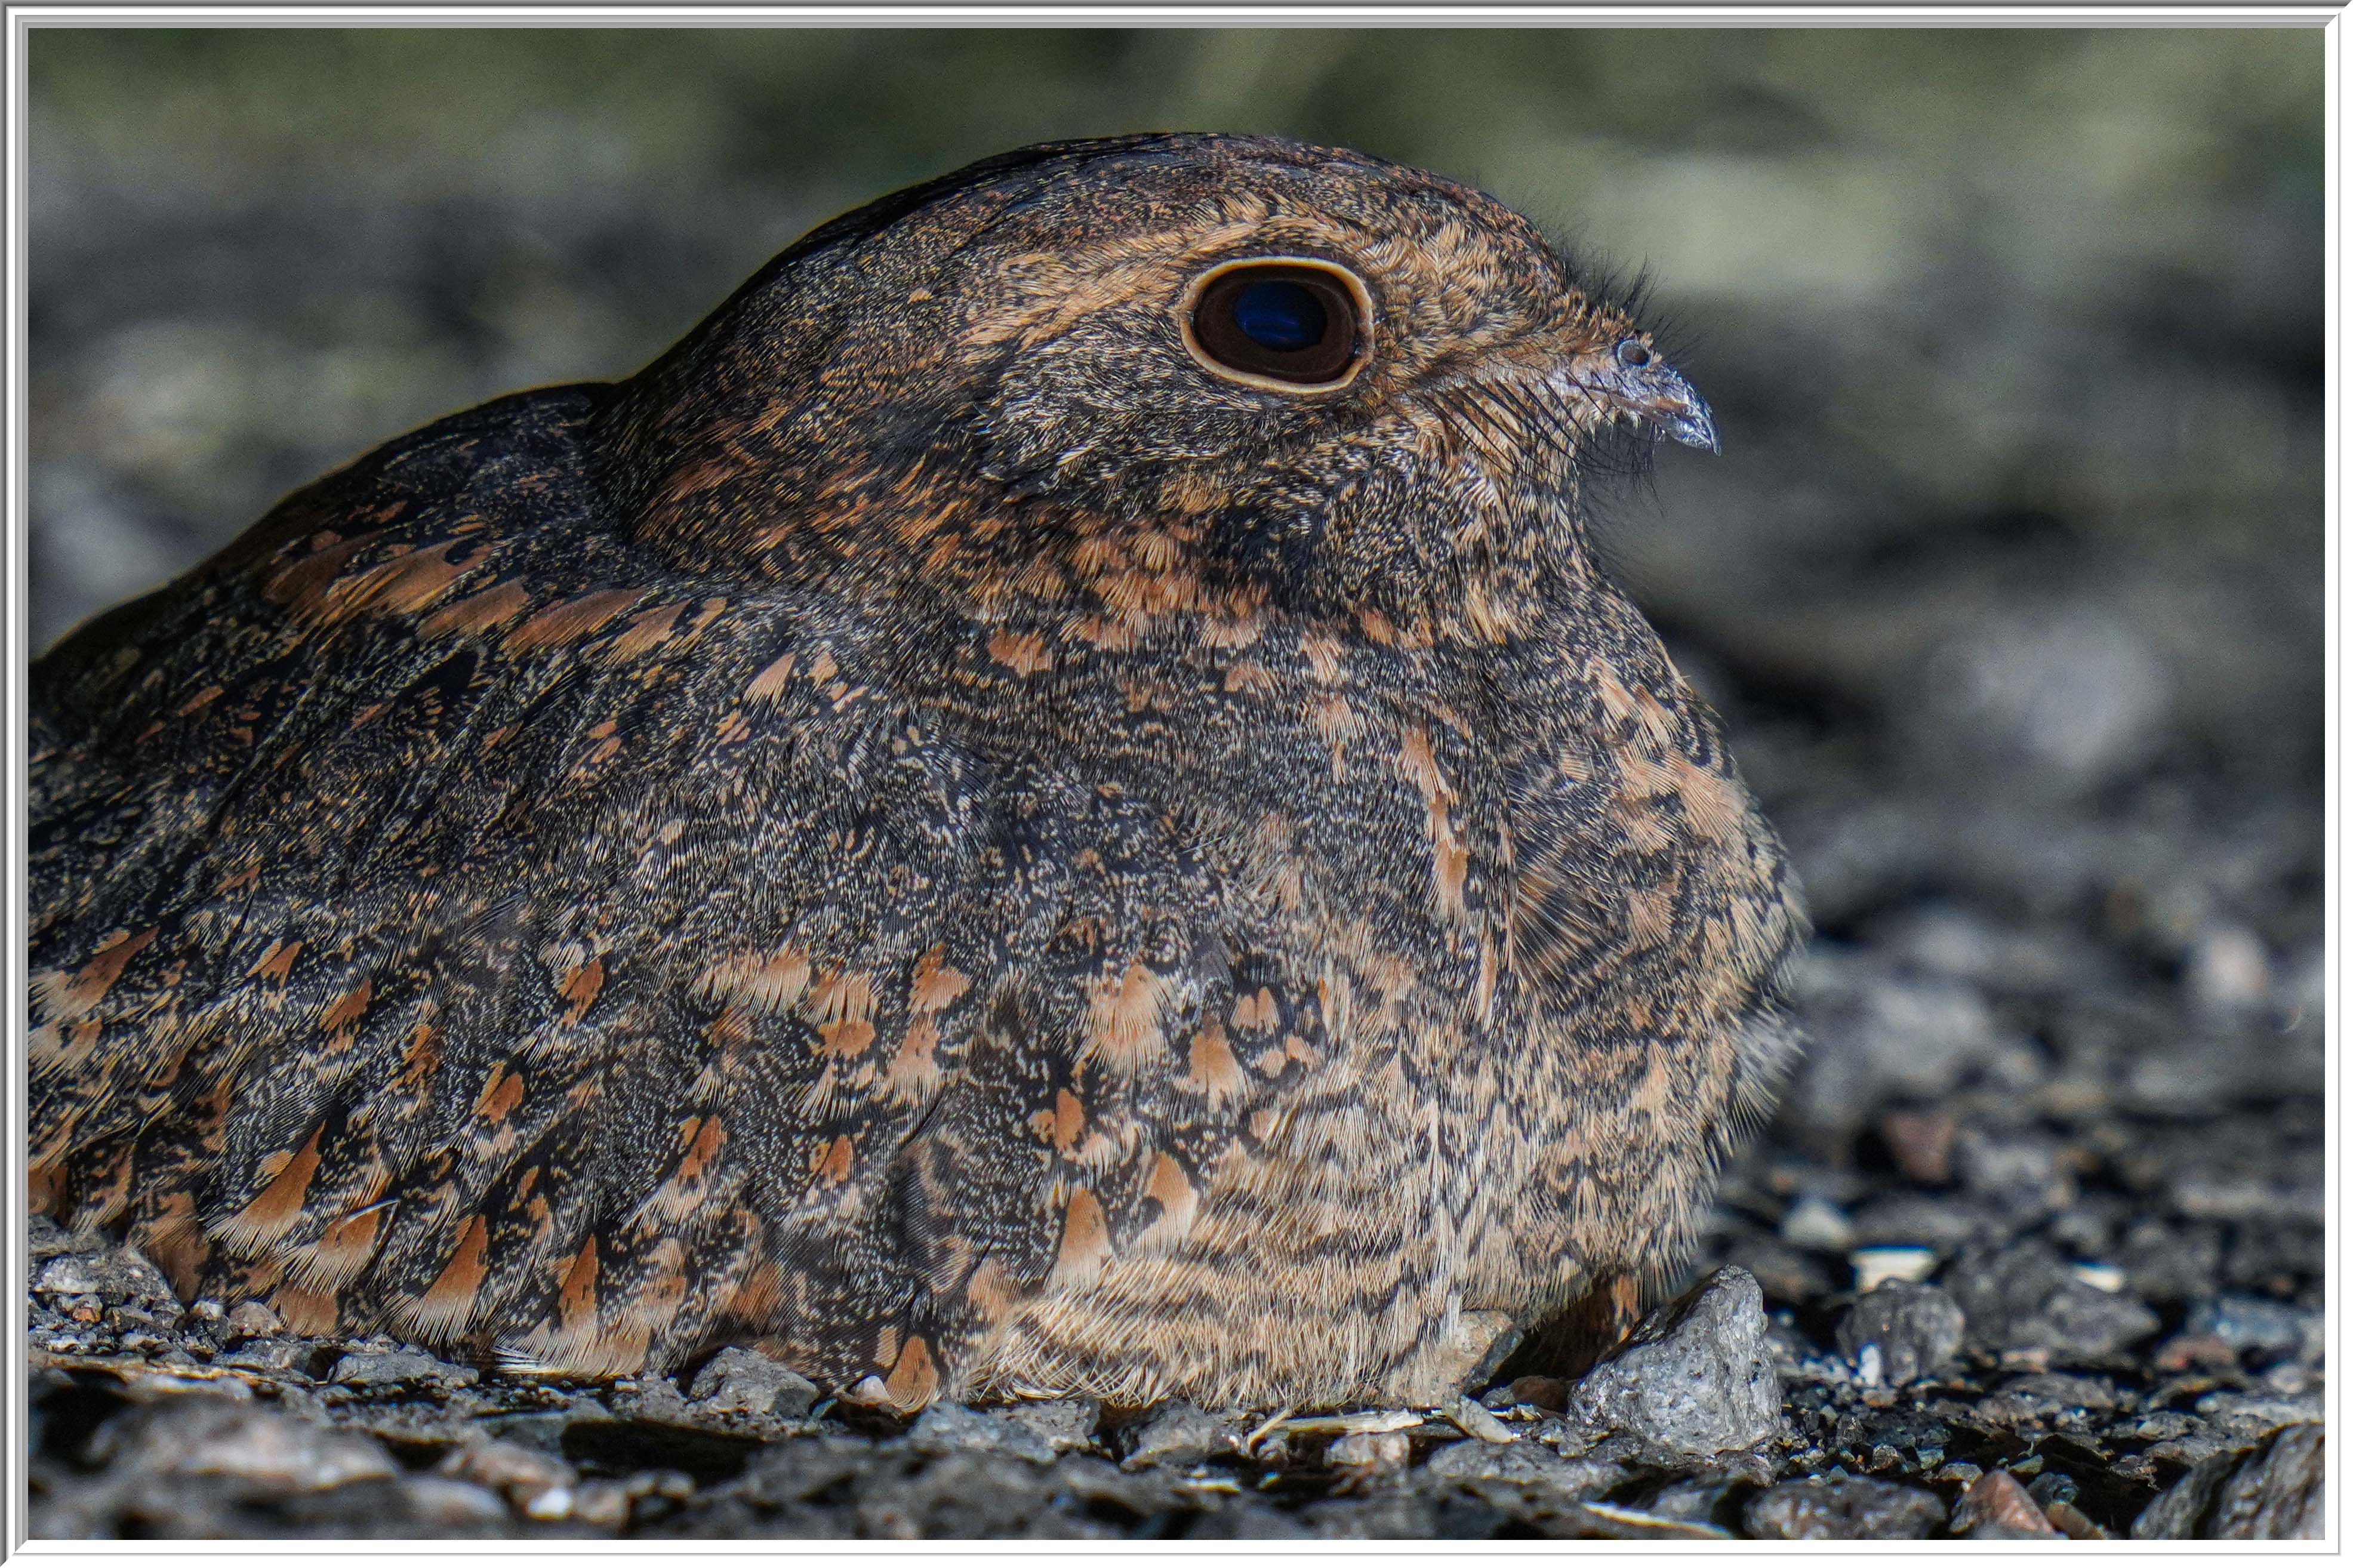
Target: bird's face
pixel 1343 370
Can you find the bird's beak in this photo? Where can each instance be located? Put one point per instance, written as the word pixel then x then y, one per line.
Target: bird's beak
pixel 1658 395
pixel 1678 410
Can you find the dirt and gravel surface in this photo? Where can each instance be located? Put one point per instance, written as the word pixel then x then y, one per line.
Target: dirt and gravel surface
pixel 2009 584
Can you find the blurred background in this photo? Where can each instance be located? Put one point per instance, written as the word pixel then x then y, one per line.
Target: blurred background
pixel 2009 580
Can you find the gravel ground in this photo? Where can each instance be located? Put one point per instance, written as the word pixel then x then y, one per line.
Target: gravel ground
pixel 2008 585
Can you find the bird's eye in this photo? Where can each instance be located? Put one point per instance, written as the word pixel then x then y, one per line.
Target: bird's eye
pixel 1633 353
pixel 1291 324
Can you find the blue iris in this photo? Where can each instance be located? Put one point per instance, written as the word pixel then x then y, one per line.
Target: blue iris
pixel 1280 316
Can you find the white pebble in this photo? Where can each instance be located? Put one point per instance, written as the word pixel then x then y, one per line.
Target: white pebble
pixel 1875 1265
pixel 1816 1225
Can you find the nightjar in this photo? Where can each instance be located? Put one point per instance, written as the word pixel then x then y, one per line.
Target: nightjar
pixel 1053 800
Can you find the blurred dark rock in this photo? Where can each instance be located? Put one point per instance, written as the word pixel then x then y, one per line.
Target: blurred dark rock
pixel 2277 1492
pixel 1907 1330
pixel 266 1453
pixel 1844 1507
pixel 2024 1300
pixel 1877 1033
pixel 2252 1325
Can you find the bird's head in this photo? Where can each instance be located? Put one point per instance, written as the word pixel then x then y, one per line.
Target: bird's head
pixel 1346 380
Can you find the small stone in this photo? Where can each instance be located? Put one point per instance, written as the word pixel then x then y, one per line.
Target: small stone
pixel 1842 1508
pixel 1922 1144
pixel 1816 1225
pixel 1376 1452
pixel 2228 973
pixel 1342 1422
pixel 517 1473
pixel 1480 1422
pixel 1913 1329
pixel 604 1505
pixel 268 1355
pixel 2073 1522
pixel 2252 1325
pixel 1697 1377
pixel 266 1449
pixel 1525 1464
pixel 2022 1174
pixel 553 1504
pixel 2273 1492
pixel 1996 1501
pixel 452 1505
pixel 2247 1414
pixel 1177 1434
pixel 1067 1425
pixel 1875 1265
pixel 1544 1392
pixel 2052 1398
pixel 66 1276
pixel 207 1310
pixel 744 1381
pixel 952 1429
pixel 400 1368
pixel 254 1319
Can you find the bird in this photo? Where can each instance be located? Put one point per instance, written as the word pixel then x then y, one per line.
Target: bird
pixel 1055 802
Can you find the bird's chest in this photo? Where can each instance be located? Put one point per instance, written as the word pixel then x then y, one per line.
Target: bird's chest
pixel 1529 889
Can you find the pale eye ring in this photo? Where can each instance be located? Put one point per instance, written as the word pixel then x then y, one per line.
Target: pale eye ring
pixel 1633 352
pixel 1283 323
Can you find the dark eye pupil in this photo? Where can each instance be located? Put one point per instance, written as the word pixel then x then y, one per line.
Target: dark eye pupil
pixel 1631 352
pixel 1284 322
pixel 1281 316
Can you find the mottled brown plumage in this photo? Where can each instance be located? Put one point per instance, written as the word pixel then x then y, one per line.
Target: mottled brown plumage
pixel 934 832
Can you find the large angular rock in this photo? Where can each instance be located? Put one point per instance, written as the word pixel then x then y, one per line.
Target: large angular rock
pixel 1697 1379
pixel 2275 1492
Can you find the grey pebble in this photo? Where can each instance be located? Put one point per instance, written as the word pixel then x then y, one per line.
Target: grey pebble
pixel 952 1429
pixel 1176 1433
pixel 745 1381
pixel 1525 1464
pixel 1697 1377
pixel 1907 1330
pixel 400 1368
pixel 1842 1508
